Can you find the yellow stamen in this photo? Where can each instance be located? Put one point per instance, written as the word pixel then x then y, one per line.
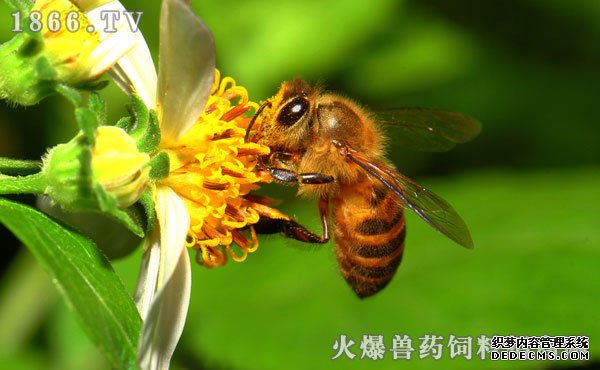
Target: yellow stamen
pixel 212 170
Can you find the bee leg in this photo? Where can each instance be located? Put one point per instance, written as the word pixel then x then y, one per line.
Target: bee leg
pixel 280 157
pixel 294 230
pixel 315 178
pixel 284 175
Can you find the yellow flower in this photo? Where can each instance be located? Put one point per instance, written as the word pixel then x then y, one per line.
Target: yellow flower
pixel 204 202
pixel 212 169
pixel 76 54
pixel 67 42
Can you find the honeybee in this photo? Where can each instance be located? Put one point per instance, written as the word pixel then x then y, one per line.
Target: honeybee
pixel 334 150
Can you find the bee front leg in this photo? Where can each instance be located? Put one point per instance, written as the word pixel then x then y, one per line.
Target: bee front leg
pixel 294 230
pixel 276 163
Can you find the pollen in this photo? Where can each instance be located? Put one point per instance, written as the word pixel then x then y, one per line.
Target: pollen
pixel 214 171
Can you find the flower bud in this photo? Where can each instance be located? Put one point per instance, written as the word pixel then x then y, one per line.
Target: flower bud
pixel 111 174
pixel 58 44
pixel 119 166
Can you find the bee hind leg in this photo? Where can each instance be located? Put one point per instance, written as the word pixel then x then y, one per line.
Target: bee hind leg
pixel 294 230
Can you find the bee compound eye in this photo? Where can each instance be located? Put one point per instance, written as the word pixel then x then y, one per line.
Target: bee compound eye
pixel 293 111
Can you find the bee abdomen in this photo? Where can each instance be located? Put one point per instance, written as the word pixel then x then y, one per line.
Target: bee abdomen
pixel 367 279
pixel 370 250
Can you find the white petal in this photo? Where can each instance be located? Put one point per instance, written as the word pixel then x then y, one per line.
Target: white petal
pixel 146 285
pixel 186 68
pixel 174 222
pixel 135 71
pixel 163 291
pixel 165 321
pixel 110 51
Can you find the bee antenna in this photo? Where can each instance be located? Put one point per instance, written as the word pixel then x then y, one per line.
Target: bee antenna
pixel 260 109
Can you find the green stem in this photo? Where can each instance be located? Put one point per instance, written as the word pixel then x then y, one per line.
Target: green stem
pixel 34 184
pixel 19 166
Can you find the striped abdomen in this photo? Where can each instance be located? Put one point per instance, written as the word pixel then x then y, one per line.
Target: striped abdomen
pixel 369 234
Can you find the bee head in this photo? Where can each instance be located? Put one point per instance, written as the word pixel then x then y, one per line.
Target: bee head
pixel 284 120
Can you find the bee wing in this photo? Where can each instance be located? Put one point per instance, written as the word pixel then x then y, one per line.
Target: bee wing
pixel 426 129
pixel 434 210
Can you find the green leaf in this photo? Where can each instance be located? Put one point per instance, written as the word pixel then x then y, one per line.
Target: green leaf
pixel 45 71
pixel 130 218
pixel 34 184
pixel 98 106
pixel 19 166
pixel 84 277
pixel 151 138
pixel 142 125
pixel 159 166
pixel 139 113
pixel 124 123
pixel 147 202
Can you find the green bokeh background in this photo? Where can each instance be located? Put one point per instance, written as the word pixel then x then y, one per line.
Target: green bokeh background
pixel 528 187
